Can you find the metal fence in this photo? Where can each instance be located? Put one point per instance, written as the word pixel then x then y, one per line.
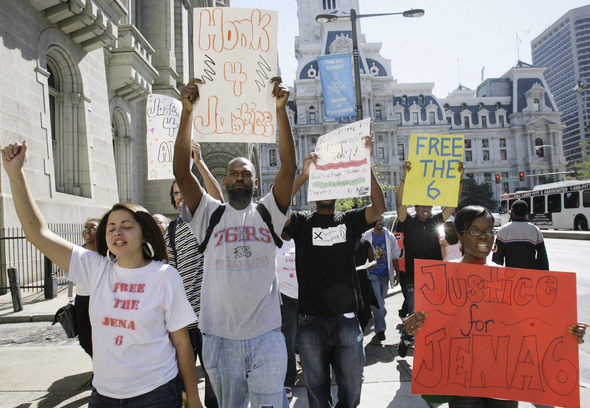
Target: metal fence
pixel 33 268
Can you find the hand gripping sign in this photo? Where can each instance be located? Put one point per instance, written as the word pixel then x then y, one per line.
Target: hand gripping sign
pixel 434 178
pixel 235 55
pixel 343 168
pixel 496 332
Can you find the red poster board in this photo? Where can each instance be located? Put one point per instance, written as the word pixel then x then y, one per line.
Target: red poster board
pixel 496 332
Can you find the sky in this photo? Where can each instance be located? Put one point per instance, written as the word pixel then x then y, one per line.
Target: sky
pixel 449 45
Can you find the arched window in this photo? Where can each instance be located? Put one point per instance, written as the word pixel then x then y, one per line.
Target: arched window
pixel 420 99
pixel 539 149
pixel 122 148
pixel 404 100
pixel 378 112
pixel 69 144
pixel 536 105
pixel 311 114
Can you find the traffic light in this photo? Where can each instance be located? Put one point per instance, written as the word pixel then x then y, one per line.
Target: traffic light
pixel 498 179
pixel 521 175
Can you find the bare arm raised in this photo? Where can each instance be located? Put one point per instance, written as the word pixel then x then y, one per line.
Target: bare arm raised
pixel 283 187
pixel 211 185
pixel 187 182
pixel 54 247
pixel 374 211
pixel 402 210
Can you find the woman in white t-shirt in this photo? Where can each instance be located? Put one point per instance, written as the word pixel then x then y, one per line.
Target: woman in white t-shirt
pixel 138 309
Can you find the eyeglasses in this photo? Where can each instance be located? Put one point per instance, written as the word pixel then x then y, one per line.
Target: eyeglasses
pixel 91 229
pixel 478 233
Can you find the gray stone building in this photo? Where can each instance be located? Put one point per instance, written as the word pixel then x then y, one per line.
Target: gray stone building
pixel 511 124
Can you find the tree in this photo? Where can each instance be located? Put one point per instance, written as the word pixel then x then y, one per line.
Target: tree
pixel 477 194
pixel 345 204
pixel 583 167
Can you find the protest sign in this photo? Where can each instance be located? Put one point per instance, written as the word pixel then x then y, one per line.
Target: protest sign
pixel 496 332
pixel 343 168
pixel 235 55
pixel 434 177
pixel 337 85
pixel 162 118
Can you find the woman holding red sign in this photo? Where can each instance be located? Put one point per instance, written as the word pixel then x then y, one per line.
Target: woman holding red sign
pixel 475 230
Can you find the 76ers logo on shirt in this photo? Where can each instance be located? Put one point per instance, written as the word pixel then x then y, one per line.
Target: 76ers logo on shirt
pixel 242 234
pixel 242 251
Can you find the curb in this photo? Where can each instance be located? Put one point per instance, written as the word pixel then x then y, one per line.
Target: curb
pixel 30 318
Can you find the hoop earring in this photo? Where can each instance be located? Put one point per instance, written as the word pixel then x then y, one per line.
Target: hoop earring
pixel 112 258
pixel 495 248
pixel 148 250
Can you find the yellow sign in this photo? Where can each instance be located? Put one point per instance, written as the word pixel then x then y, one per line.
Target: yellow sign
pixel 434 176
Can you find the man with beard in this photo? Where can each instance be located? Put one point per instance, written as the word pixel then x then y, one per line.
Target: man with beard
pixel 243 348
pixel 420 242
pixel 328 332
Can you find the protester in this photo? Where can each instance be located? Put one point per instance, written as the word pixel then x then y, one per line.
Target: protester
pixel 289 289
pixel 520 244
pixel 328 332
pixel 449 242
pixel 187 258
pixel 384 273
pixel 475 229
pixel 82 298
pixel 364 260
pixel 162 221
pixel 243 348
pixel 420 242
pixel 138 309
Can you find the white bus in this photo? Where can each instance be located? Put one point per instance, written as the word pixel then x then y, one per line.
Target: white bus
pixel 561 205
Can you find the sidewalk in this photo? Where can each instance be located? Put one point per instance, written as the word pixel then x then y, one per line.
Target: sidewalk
pixel 55 376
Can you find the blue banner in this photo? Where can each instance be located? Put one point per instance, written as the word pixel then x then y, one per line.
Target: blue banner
pixel 337 85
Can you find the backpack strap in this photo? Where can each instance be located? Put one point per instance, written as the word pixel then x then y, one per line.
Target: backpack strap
pixel 171 229
pixel 213 221
pixel 266 218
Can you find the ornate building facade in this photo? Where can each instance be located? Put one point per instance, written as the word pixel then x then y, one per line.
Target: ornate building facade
pixel 508 122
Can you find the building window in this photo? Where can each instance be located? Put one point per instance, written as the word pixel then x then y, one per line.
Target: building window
pixel 432 118
pixel 381 153
pixel 501 120
pixel 505 187
pixel 398 117
pixel 502 142
pixel 68 125
pixel 311 113
pixel 415 118
pixel 468 156
pixel 401 155
pixel 486 155
pixel 272 158
pixel 487 178
pixel 468 143
pixel 466 122
pixel 484 122
pixel 404 100
pixel 122 151
pixel 536 105
pixel 470 176
pixel 421 100
pixel 378 114
pixel 380 138
pixel 329 4
pixel 449 121
pixel 539 149
pixel 485 143
pixel 503 155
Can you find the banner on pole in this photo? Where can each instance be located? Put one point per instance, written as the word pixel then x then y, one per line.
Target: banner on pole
pixel 337 85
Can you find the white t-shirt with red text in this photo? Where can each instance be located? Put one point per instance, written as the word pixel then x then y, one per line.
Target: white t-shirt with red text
pixel 132 312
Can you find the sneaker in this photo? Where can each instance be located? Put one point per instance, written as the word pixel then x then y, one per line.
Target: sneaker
pixel 380 336
pixel 289 392
pixel 402 348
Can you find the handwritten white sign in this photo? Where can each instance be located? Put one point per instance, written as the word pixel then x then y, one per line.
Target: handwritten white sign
pixel 235 54
pixel 343 168
pixel 162 118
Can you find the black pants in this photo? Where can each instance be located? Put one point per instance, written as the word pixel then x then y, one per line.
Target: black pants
pixel 83 323
pixel 197 342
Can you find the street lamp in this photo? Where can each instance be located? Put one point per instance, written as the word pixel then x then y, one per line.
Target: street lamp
pixel 327 18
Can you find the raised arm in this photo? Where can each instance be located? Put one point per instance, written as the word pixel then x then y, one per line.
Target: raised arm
pixel 54 247
pixel 377 207
pixel 283 187
pixel 299 181
pixel 211 185
pixel 187 181
pixel 448 211
pixel 402 210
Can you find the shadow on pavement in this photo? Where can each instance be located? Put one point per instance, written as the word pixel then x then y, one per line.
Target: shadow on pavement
pixel 65 389
pixel 405 388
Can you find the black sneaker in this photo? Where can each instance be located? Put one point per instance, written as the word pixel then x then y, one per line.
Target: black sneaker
pixel 380 336
pixel 402 348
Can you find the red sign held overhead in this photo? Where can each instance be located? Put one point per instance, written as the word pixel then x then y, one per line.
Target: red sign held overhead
pixel 496 332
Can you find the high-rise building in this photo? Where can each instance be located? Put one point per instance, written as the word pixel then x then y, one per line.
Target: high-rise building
pixel 511 124
pixel 564 49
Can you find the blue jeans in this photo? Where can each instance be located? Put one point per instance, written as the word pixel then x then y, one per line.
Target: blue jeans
pixel 289 329
pixel 166 395
pixel 380 284
pixel 251 369
pixel 197 342
pixel 335 341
